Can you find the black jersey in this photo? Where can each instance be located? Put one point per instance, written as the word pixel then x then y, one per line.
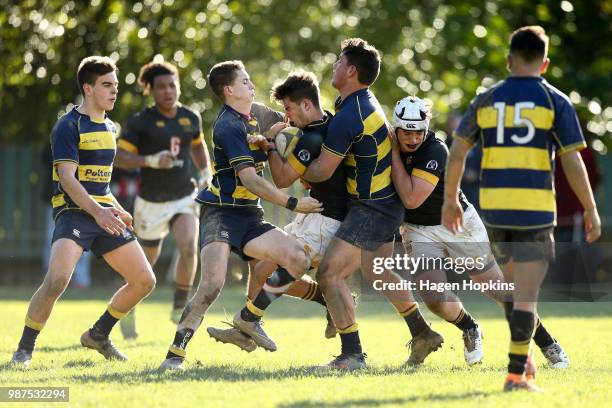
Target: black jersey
pixel 428 163
pixel 149 132
pixel 332 192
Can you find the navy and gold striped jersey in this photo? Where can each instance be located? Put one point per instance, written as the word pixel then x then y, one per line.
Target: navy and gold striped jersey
pixel 521 122
pixel 149 132
pixel 91 146
pixel 358 133
pixel 231 153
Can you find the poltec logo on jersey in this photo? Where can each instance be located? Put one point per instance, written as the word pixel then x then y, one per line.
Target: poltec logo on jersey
pixel 432 165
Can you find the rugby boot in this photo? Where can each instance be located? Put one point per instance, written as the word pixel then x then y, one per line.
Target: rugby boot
pixel 232 336
pixel 254 331
pixel 103 346
pixel 423 345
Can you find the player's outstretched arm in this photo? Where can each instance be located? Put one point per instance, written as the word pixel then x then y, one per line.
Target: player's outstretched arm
pixel 265 190
pixel 452 212
pixel 578 179
pixel 128 160
pixel 323 167
pixel 104 216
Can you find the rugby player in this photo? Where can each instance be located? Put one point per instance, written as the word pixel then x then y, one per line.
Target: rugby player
pixel 165 141
pixel 231 215
pixel 299 94
pixel 521 122
pixel 419 159
pixel 358 140
pixel 87 216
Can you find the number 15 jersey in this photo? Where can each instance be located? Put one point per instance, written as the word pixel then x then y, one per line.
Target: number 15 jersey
pixel 521 122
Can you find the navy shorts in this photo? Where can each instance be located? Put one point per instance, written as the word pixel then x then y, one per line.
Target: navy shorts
pixel 522 245
pixel 82 228
pixel 236 226
pixel 371 223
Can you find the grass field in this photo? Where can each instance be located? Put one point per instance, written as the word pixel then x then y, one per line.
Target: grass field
pixel 222 375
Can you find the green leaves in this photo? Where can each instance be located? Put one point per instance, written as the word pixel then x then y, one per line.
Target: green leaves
pixel 444 51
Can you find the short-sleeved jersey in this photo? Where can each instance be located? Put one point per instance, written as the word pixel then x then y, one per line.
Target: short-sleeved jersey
pixel 231 152
pixel 428 163
pixel 332 192
pixel 266 117
pixel 149 132
pixel 358 133
pixel 521 121
pixel 91 146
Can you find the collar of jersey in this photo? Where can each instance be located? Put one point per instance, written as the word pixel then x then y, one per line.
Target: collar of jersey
pixel 319 122
pixel 74 109
pixel 355 94
pixel 235 112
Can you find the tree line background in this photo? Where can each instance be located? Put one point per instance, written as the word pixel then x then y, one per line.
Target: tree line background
pixel 445 51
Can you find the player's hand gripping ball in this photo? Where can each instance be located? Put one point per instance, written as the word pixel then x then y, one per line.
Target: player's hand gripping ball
pixel 286 140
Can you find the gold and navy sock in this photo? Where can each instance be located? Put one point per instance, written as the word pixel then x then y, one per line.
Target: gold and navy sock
pixel 275 286
pixel 250 312
pixel 464 321
pixel 521 331
pixel 181 293
pixel 349 336
pixel 414 319
pixel 102 328
pixel 31 330
pixel 314 294
pixel 541 336
pixel 179 345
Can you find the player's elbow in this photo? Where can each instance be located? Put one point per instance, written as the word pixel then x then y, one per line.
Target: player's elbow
pixel 283 183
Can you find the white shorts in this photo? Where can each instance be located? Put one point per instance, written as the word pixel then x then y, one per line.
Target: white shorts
pixel 152 220
pixel 315 232
pixel 435 241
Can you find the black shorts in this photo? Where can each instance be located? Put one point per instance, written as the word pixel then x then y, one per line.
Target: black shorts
pixel 236 226
pixel 371 223
pixel 522 245
pixel 82 228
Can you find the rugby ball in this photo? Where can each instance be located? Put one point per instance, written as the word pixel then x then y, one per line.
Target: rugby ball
pixel 286 140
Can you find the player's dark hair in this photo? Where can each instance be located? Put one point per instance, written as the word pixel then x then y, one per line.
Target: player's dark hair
pixel 297 86
pixel 222 75
pixel 90 68
pixel 149 71
pixel 529 43
pixel 364 57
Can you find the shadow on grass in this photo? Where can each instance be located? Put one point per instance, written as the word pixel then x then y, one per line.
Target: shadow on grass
pixel 224 373
pixel 376 402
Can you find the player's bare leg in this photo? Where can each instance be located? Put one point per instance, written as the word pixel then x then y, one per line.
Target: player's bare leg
pixel 65 254
pixel 551 349
pixel 448 306
pixel 185 230
pixel 341 260
pixel 130 262
pixel 528 277
pixel 213 261
pixel 283 250
pixel 424 340
pixel 128 323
